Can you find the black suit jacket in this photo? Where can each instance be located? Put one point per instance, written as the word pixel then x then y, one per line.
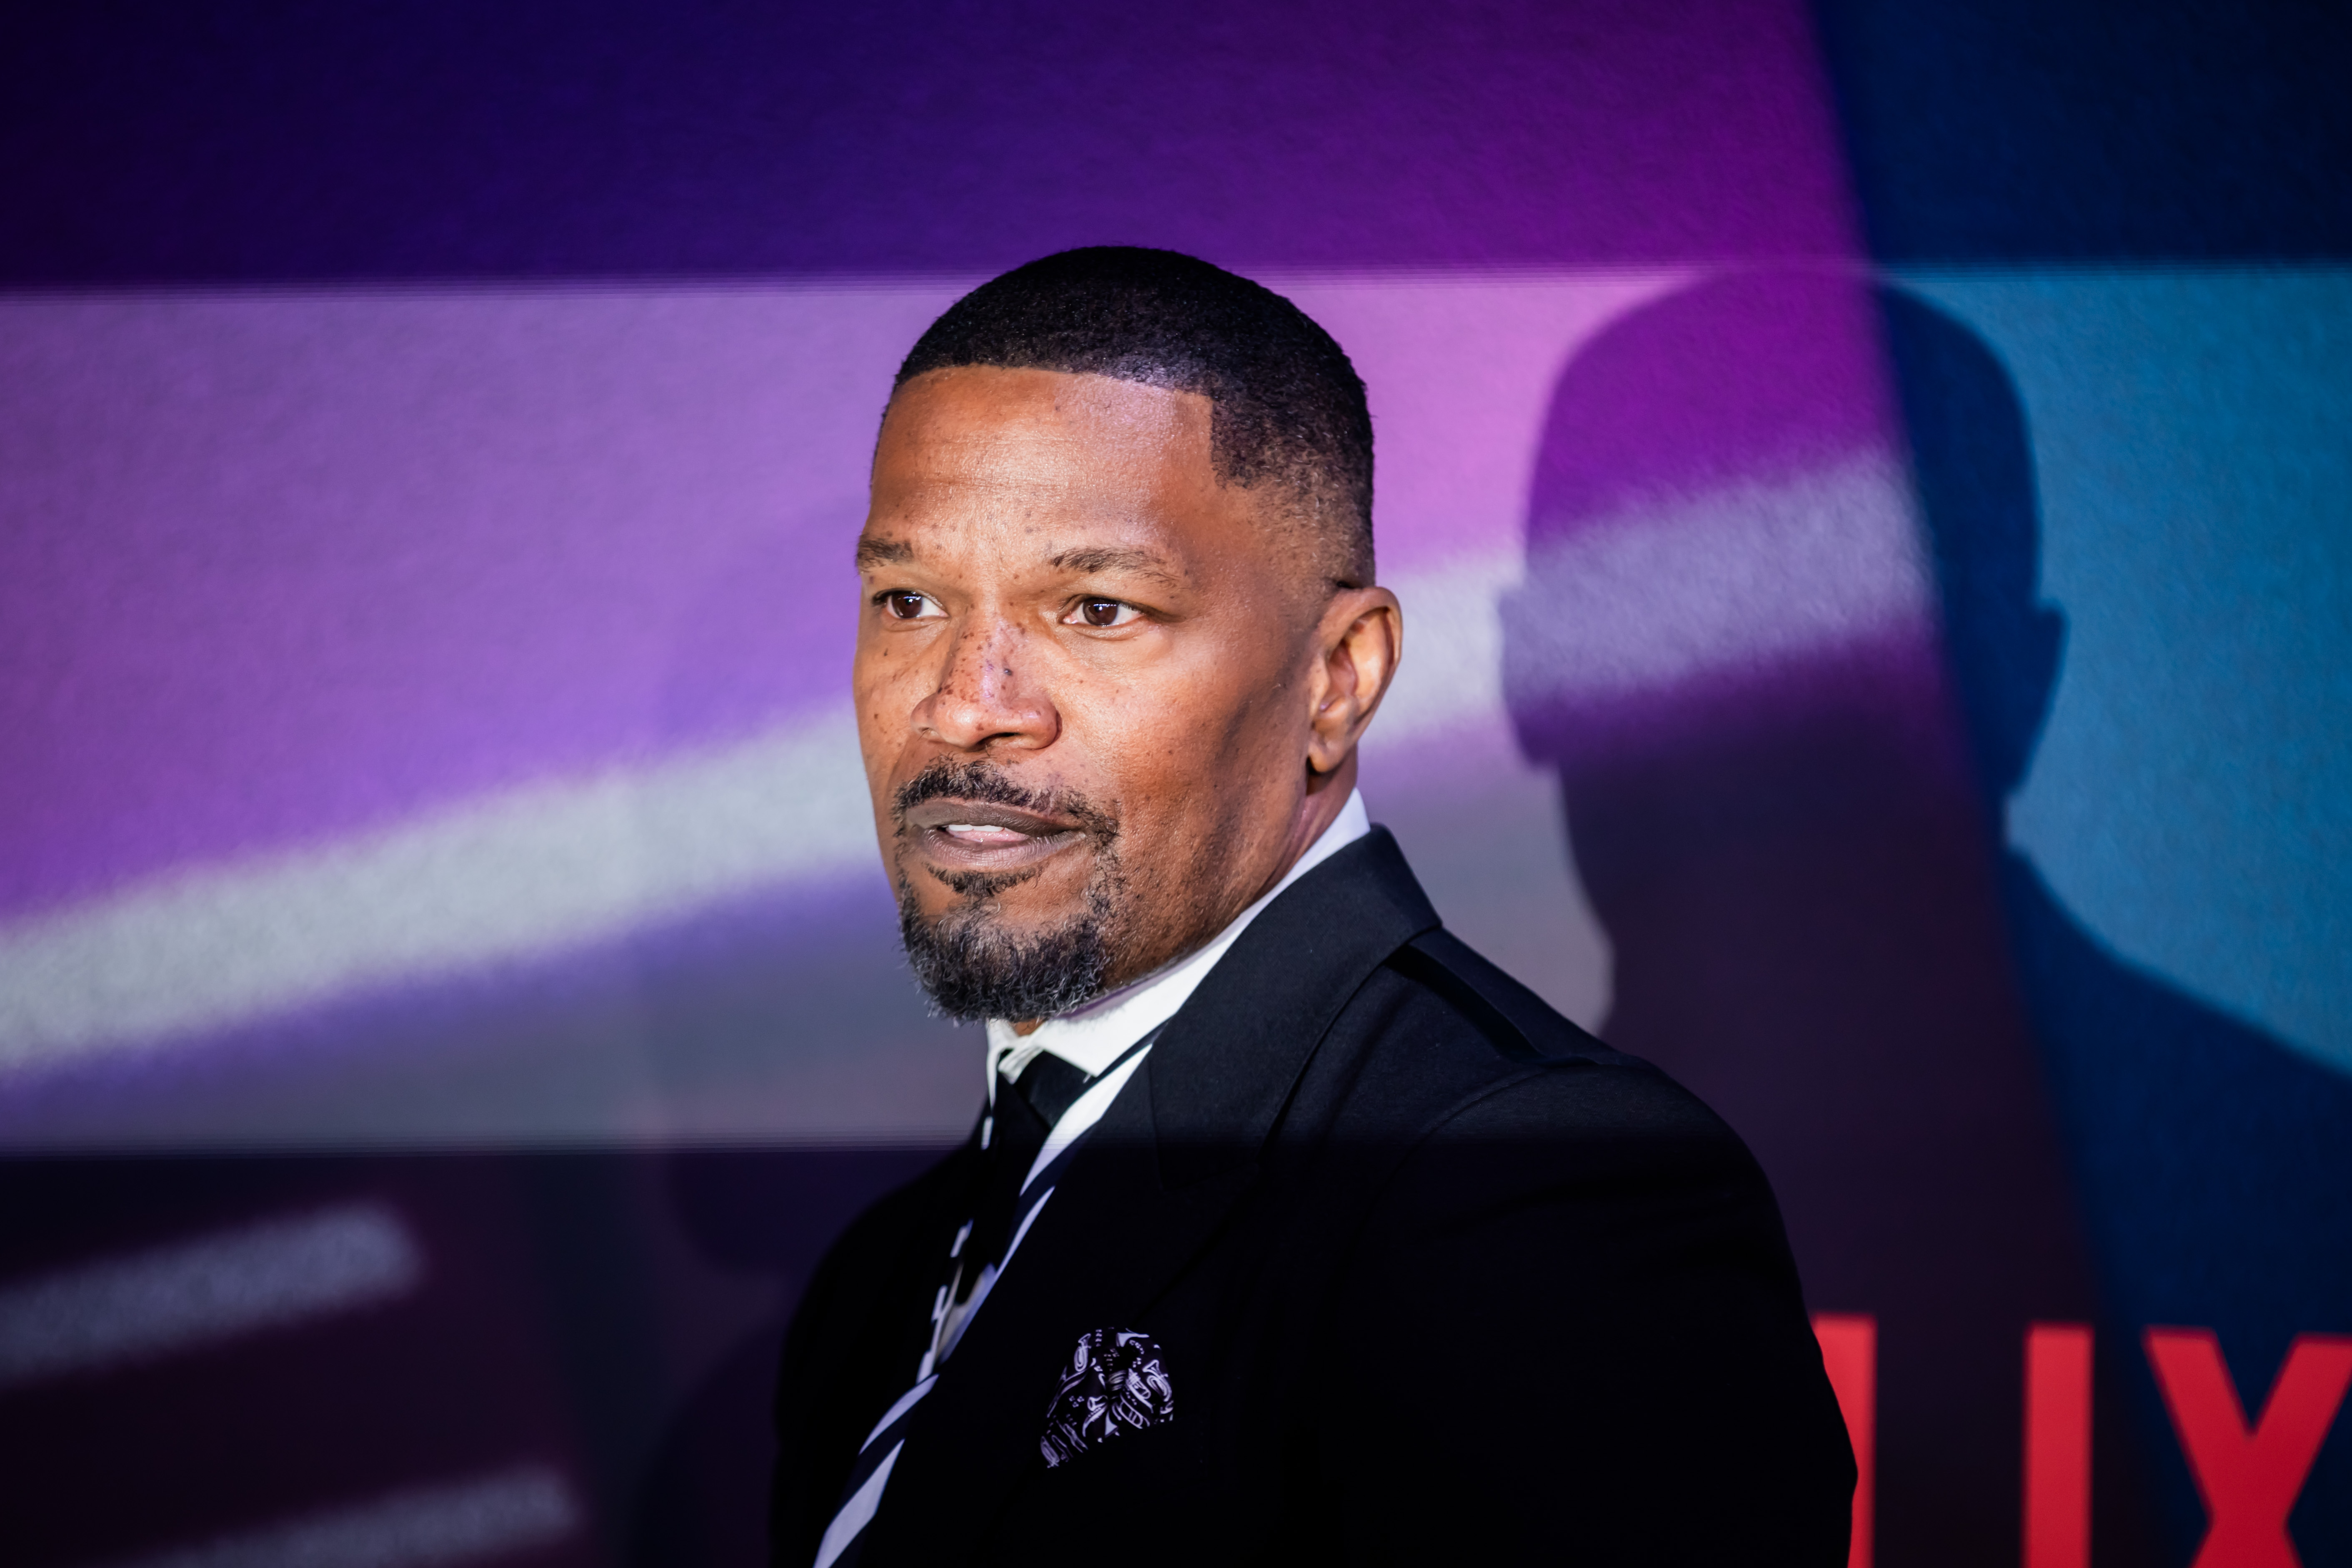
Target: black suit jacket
pixel 1435 1277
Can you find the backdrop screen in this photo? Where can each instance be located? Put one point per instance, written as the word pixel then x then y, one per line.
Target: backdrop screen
pixel 1869 512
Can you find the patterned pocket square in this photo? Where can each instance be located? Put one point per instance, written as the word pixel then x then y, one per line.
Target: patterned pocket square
pixel 1114 1383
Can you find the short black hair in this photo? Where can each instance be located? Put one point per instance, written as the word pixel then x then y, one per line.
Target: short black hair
pixel 1286 406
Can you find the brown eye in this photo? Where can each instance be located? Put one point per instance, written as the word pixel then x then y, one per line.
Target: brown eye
pixel 1103 614
pixel 904 606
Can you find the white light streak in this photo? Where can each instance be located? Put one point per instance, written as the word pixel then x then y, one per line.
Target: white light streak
pixel 1453 671
pixel 509 876
pixel 196 1293
pixel 1681 588
pixel 1733 579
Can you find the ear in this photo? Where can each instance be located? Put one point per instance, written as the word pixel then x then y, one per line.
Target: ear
pixel 1358 642
pixel 2045 650
pixel 2012 701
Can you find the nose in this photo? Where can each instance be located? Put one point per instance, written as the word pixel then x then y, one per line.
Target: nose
pixel 988 695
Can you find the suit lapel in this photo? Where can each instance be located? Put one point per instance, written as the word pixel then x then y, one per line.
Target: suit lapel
pixel 1147 1188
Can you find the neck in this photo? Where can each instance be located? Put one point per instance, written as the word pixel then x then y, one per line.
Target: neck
pixel 1326 797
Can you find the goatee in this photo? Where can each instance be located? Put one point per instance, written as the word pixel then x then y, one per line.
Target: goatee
pixel 970 968
pixel 964 958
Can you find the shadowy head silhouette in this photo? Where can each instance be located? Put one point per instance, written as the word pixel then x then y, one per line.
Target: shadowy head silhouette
pixel 1725 527
pixel 1780 638
pixel 1778 785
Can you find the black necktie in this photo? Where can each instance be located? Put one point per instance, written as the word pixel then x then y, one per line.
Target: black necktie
pixel 1025 1111
pixel 1018 1124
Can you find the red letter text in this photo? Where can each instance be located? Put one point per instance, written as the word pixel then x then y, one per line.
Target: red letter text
pixel 2249 1480
pixel 2057 1445
pixel 1850 1356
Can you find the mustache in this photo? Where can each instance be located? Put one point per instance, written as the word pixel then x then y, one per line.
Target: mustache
pixel 987 784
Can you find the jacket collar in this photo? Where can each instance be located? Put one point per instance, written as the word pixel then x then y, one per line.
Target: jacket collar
pixel 1151 1185
pixel 1224 1069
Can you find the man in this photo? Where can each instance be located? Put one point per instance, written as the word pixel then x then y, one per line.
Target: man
pixel 1291 1229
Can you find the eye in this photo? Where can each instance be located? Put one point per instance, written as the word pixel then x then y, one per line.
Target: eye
pixel 1100 613
pixel 904 604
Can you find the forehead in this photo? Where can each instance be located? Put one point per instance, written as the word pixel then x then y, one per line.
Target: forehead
pixel 980 439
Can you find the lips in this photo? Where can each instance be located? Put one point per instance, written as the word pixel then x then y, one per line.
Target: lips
pixel 986 836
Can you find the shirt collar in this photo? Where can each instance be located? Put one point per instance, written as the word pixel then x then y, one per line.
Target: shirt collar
pixel 1093 1036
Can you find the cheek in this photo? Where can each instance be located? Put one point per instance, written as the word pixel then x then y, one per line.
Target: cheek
pixel 1185 736
pixel 881 666
pixel 877 680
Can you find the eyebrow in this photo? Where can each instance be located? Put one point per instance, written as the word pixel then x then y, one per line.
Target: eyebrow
pixel 872 553
pixel 1117 558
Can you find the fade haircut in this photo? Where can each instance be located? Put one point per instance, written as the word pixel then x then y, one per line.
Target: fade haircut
pixel 1285 406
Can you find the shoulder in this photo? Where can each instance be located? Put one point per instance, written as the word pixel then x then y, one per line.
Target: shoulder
pixel 1460 1043
pixel 1483 1092
pixel 1559 1226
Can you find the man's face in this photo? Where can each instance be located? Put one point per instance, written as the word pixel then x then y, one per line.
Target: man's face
pixel 1086 683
